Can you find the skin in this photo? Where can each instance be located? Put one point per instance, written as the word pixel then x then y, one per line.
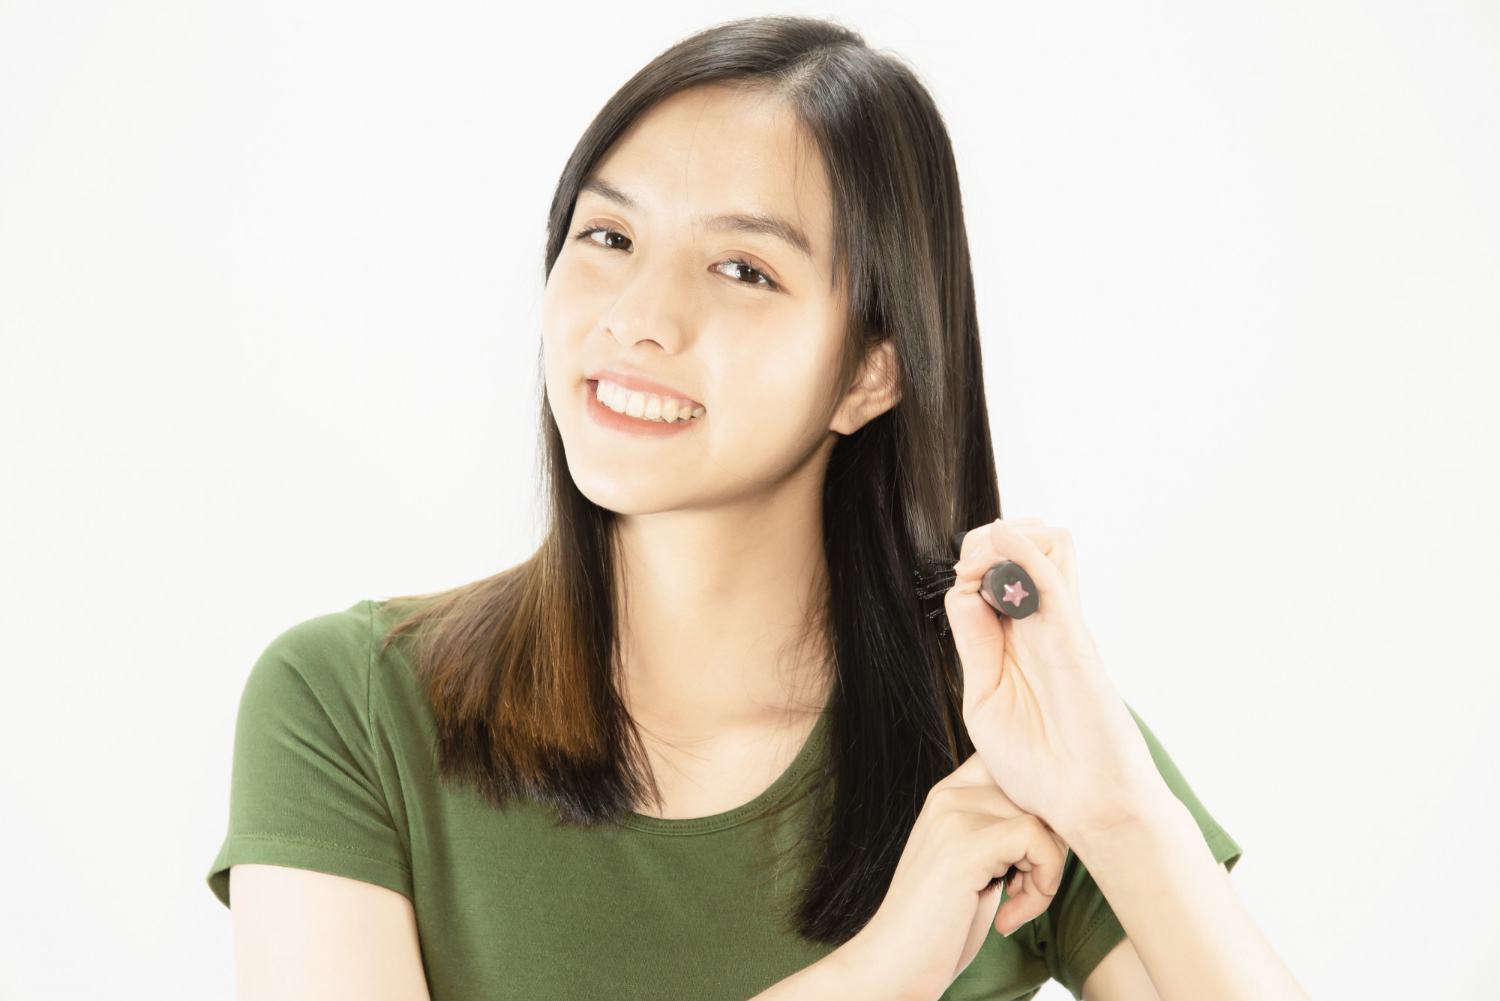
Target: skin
pixel 720 525
pixel 672 273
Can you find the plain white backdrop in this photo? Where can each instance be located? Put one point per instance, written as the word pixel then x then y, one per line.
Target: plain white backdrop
pixel 269 277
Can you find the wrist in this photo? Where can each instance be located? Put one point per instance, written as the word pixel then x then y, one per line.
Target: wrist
pixel 865 971
pixel 849 973
pixel 1150 823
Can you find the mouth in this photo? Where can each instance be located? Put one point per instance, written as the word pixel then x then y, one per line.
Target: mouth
pixel 637 402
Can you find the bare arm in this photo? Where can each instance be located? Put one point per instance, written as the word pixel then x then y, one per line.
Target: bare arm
pixel 1189 928
pixel 1062 745
pixel 309 936
pixel 1121 976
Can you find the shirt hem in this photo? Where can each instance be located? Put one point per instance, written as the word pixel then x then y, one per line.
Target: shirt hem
pixel 306 853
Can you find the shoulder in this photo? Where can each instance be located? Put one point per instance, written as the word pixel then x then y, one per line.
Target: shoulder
pixel 325 662
pixel 332 687
pixel 339 638
pixel 333 648
pixel 339 666
pixel 316 782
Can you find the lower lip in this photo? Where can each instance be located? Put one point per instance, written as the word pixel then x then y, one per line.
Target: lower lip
pixel 605 417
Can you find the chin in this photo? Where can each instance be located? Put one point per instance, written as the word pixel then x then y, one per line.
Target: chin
pixel 625 491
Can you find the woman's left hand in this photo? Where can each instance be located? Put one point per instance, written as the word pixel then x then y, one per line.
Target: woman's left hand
pixel 1039 707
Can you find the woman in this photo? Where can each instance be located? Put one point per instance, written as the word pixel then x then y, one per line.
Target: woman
pixel 707 742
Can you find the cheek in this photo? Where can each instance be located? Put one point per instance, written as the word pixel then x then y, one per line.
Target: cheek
pixel 779 388
pixel 567 304
pixel 569 312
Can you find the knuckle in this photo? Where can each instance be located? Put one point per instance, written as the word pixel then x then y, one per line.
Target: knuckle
pixel 999 803
pixel 942 795
pixel 949 824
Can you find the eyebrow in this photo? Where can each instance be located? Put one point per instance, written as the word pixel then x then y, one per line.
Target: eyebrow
pixel 759 222
pixel 755 222
pixel 598 187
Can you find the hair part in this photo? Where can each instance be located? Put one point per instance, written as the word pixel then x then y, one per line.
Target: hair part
pixel 521 667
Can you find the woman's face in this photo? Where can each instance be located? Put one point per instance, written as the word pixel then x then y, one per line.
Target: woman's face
pixel 693 334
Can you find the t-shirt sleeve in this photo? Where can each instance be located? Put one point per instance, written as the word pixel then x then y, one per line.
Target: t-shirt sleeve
pixel 305 790
pixel 1080 928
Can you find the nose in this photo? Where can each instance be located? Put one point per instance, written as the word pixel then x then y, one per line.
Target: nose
pixel 653 307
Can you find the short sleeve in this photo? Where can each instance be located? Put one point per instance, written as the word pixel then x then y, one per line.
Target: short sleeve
pixel 305 790
pixel 1079 928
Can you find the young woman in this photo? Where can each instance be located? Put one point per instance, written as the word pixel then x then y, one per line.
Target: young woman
pixel 708 742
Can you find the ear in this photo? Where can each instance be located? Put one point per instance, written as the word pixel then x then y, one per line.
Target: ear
pixel 875 391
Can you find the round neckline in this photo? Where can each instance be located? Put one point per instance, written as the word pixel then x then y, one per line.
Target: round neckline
pixel 746 811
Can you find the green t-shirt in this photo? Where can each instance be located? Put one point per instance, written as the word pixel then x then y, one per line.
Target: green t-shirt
pixel 335 770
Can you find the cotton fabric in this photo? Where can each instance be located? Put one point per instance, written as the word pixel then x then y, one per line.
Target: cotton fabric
pixel 335 771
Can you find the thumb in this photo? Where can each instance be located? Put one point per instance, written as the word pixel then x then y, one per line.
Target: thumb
pixel 979 638
pixel 972 772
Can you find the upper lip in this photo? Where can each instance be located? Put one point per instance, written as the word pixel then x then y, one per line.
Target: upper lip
pixel 639 383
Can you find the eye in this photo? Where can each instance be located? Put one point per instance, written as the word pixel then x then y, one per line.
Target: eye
pixel 605 237
pixel 742 272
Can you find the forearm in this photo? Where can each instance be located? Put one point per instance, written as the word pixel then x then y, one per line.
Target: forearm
pixel 845 974
pixel 1193 935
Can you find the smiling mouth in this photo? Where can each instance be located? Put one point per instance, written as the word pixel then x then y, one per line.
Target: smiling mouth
pixel 645 406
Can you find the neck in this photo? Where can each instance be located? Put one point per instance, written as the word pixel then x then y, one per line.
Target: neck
pixel 720 617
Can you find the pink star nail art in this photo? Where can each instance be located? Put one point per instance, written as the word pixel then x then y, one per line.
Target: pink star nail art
pixel 1015 594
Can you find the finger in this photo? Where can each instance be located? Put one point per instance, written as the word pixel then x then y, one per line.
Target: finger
pixel 986 800
pixel 966 544
pixel 972 772
pixel 1002 542
pixel 1054 543
pixel 979 639
pixel 970 542
pixel 975 774
pixel 1045 880
pixel 1030 520
pixel 1019 908
pixel 1026 843
pixel 979 929
pixel 1057 545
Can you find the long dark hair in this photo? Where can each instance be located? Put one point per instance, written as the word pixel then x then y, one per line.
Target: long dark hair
pixel 520 666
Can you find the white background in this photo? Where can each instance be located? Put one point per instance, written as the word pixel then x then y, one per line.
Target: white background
pixel 268 293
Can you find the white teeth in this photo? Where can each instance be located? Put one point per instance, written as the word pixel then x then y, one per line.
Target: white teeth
pixel 645 406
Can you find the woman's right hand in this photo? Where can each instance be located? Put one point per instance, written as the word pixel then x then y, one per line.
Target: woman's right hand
pixel 941 903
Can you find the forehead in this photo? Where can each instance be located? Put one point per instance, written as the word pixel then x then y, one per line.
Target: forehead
pixel 723 149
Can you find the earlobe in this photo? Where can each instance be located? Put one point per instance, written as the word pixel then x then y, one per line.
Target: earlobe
pixel 877 390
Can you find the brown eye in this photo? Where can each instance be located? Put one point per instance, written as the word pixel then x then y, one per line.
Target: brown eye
pixel 742 272
pixel 611 239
